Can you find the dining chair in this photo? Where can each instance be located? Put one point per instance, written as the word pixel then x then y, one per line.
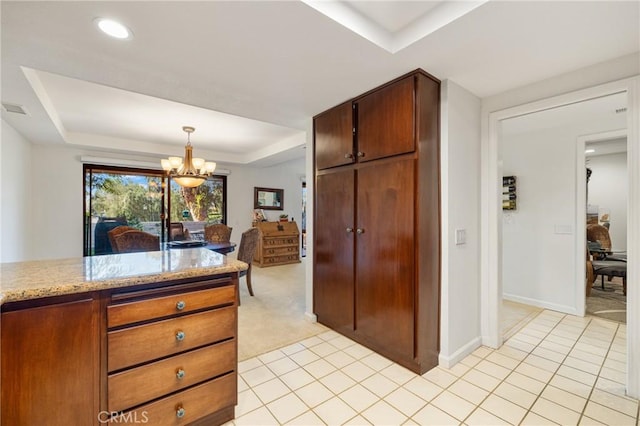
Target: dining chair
pixel 177 232
pixel 600 235
pixel 117 231
pixel 217 233
pixel 136 241
pixel 246 251
pixel 610 269
pixel 590 278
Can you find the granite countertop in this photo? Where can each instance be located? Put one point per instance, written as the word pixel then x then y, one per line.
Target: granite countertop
pixel 44 278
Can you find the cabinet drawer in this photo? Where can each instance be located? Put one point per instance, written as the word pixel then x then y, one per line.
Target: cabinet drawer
pixel 133 387
pixel 135 345
pixel 159 307
pixel 280 241
pixel 281 259
pixel 197 402
pixel 280 250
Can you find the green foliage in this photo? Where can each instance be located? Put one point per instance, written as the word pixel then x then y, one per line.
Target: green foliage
pixel 138 199
pixel 204 202
pixel 115 195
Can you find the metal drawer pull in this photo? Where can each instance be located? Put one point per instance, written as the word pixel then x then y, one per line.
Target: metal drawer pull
pixel 180 412
pixel 360 154
pixel 348 156
pixel 180 305
pixel 360 231
pixel 349 229
pixel 180 336
pixel 180 374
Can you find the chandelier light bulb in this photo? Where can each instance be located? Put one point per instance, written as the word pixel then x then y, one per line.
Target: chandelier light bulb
pixel 190 172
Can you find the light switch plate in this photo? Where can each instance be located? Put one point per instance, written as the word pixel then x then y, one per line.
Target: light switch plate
pixel 461 236
pixel 563 229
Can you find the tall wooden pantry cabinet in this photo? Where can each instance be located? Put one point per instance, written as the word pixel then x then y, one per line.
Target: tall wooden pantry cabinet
pixel 377 219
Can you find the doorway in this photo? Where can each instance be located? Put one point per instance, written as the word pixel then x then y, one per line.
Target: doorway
pixel 491 261
pixel 540 230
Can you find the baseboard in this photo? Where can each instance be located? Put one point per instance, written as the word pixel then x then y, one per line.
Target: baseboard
pixel 541 304
pixel 460 354
pixel 310 317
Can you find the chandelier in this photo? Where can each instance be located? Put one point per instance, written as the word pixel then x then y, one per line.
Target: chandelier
pixel 191 172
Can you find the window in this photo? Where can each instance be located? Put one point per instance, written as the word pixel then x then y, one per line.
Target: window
pixel 196 207
pixel 115 196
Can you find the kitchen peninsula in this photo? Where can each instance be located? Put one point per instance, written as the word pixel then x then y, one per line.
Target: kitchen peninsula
pixel 130 338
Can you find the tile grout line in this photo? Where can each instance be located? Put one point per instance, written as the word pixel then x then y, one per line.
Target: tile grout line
pixel 590 320
pixel 528 410
pixel 318 380
pixel 584 330
pixel 598 377
pixel 538 396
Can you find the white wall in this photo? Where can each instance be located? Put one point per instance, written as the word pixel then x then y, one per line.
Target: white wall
pixel 460 168
pixel 57 197
pixel 539 252
pixel 15 194
pixel 243 179
pixel 616 69
pixel 608 188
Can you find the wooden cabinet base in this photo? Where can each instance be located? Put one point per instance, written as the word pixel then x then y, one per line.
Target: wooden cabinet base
pixel 163 353
pixel 49 353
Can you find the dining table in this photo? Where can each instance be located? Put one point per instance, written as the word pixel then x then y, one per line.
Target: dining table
pixel 222 248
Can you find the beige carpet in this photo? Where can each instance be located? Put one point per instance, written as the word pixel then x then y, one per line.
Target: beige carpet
pixel 274 317
pixel 610 303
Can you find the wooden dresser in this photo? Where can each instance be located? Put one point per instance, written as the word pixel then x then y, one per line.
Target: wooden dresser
pixel 279 244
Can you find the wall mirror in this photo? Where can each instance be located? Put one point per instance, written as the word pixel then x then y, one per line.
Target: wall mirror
pixel 268 198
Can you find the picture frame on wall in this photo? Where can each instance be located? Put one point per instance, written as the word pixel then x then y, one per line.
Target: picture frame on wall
pixel 268 198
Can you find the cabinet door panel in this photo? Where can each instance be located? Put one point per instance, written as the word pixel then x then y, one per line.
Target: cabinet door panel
pixel 385 255
pixel 334 137
pixel 333 284
pixel 386 121
pixel 49 365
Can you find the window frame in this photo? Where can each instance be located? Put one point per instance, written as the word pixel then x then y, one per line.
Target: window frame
pixel 88 169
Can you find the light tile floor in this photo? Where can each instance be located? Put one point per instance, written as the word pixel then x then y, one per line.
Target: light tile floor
pixel 557 369
pixel 514 316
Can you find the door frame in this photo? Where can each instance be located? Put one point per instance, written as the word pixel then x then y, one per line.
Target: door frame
pixel 581 209
pixel 491 215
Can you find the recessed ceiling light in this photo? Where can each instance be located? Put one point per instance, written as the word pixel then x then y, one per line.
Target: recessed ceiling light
pixel 113 28
pixel 589 151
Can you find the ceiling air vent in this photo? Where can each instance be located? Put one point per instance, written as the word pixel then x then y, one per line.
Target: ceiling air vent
pixel 621 110
pixel 17 109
